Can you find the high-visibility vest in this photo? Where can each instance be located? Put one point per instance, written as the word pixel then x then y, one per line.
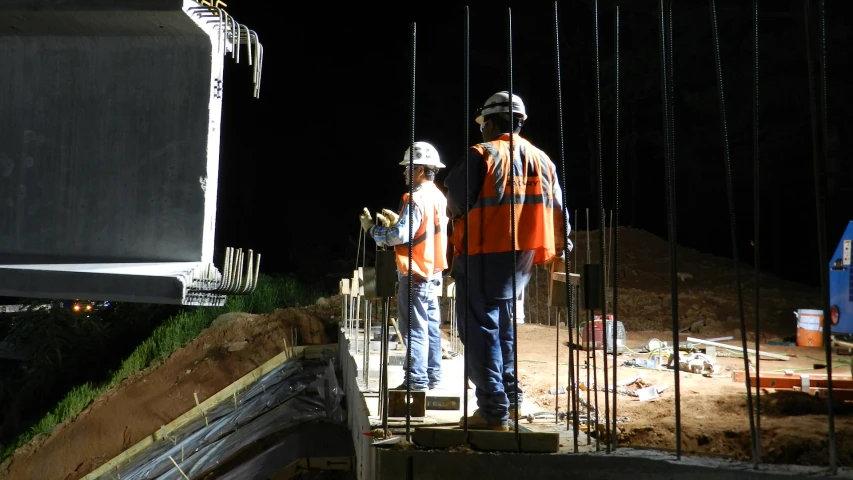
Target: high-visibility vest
pixel 429 241
pixel 536 215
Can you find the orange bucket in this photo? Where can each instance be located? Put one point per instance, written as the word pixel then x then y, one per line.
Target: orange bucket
pixel 809 328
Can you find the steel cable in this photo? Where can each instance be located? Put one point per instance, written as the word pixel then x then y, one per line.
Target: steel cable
pixel 615 275
pixel 756 197
pixel 733 229
pixel 411 206
pixel 669 163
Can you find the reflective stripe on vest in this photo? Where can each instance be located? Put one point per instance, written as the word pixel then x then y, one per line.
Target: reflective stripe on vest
pixel 429 242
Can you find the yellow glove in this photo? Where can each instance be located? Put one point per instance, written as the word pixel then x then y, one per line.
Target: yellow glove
pixel 366 220
pixel 392 217
pixel 383 220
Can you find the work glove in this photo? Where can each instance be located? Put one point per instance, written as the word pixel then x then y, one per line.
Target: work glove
pixel 383 220
pixel 366 220
pixel 392 217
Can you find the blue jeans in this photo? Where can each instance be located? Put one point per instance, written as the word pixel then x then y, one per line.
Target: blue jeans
pixel 489 351
pixel 425 344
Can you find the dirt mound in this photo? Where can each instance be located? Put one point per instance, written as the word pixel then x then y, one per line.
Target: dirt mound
pixel 719 426
pixel 707 293
pixel 234 345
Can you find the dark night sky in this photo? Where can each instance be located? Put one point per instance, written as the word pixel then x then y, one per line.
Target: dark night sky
pixel 332 123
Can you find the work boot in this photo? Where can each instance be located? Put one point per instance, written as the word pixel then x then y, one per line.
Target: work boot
pixel 477 422
pixel 513 413
pixel 402 386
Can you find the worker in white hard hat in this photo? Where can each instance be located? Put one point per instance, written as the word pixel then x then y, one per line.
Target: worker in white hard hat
pixel 429 260
pixel 484 292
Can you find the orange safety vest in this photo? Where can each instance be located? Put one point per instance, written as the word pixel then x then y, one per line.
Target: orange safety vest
pixel 429 241
pixel 536 215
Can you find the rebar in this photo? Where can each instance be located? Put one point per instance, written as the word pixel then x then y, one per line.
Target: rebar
pixel 512 221
pixel 615 220
pixel 411 207
pixel 817 96
pixel 733 229
pixel 601 232
pixel 756 259
pixel 669 161
pixel 467 275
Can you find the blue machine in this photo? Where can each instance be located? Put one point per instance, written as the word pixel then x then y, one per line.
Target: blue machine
pixel 841 285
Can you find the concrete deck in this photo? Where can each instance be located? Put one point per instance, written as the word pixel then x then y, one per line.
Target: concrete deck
pixel 401 460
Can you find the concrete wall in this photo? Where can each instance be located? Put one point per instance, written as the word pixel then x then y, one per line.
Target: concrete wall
pixel 357 412
pixel 109 140
pixel 443 465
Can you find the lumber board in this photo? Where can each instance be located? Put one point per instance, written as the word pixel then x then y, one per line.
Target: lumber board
pixel 781 381
pixel 304 351
pixel 733 347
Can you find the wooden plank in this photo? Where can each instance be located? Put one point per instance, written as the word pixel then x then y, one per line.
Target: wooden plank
pixel 732 347
pixel 306 351
pixel 781 381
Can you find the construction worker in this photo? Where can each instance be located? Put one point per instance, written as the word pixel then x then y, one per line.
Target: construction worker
pixel 538 239
pixel 429 260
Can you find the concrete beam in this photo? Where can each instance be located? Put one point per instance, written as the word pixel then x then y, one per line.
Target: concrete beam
pixel 109 147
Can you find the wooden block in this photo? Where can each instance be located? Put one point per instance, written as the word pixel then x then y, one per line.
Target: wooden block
pixel 443 402
pixel 844 350
pixel 557 288
pixel 530 442
pixel 437 437
pixel 397 403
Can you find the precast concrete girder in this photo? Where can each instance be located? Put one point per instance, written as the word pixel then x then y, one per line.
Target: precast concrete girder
pixel 109 150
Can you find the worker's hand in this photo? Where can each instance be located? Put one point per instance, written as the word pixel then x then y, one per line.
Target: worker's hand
pixel 383 220
pixel 392 217
pixel 366 220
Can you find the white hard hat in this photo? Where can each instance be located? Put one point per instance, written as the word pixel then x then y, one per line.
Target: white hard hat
pixel 499 103
pixel 425 154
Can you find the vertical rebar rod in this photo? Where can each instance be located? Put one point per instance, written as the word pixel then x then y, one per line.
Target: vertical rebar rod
pixel 564 213
pixel 615 220
pixel 671 214
pixel 601 233
pixel 733 229
pixel 512 233
pixel 585 333
pixel 383 377
pixel 756 197
pixel 411 207
pixel 817 96
pixel 466 297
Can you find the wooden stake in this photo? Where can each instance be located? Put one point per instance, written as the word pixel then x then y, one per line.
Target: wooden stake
pixel 203 413
pixel 179 468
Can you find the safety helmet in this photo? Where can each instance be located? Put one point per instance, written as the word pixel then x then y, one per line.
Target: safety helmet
pixel 499 103
pixel 425 154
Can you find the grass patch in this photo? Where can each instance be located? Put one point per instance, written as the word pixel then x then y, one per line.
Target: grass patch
pixel 272 292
